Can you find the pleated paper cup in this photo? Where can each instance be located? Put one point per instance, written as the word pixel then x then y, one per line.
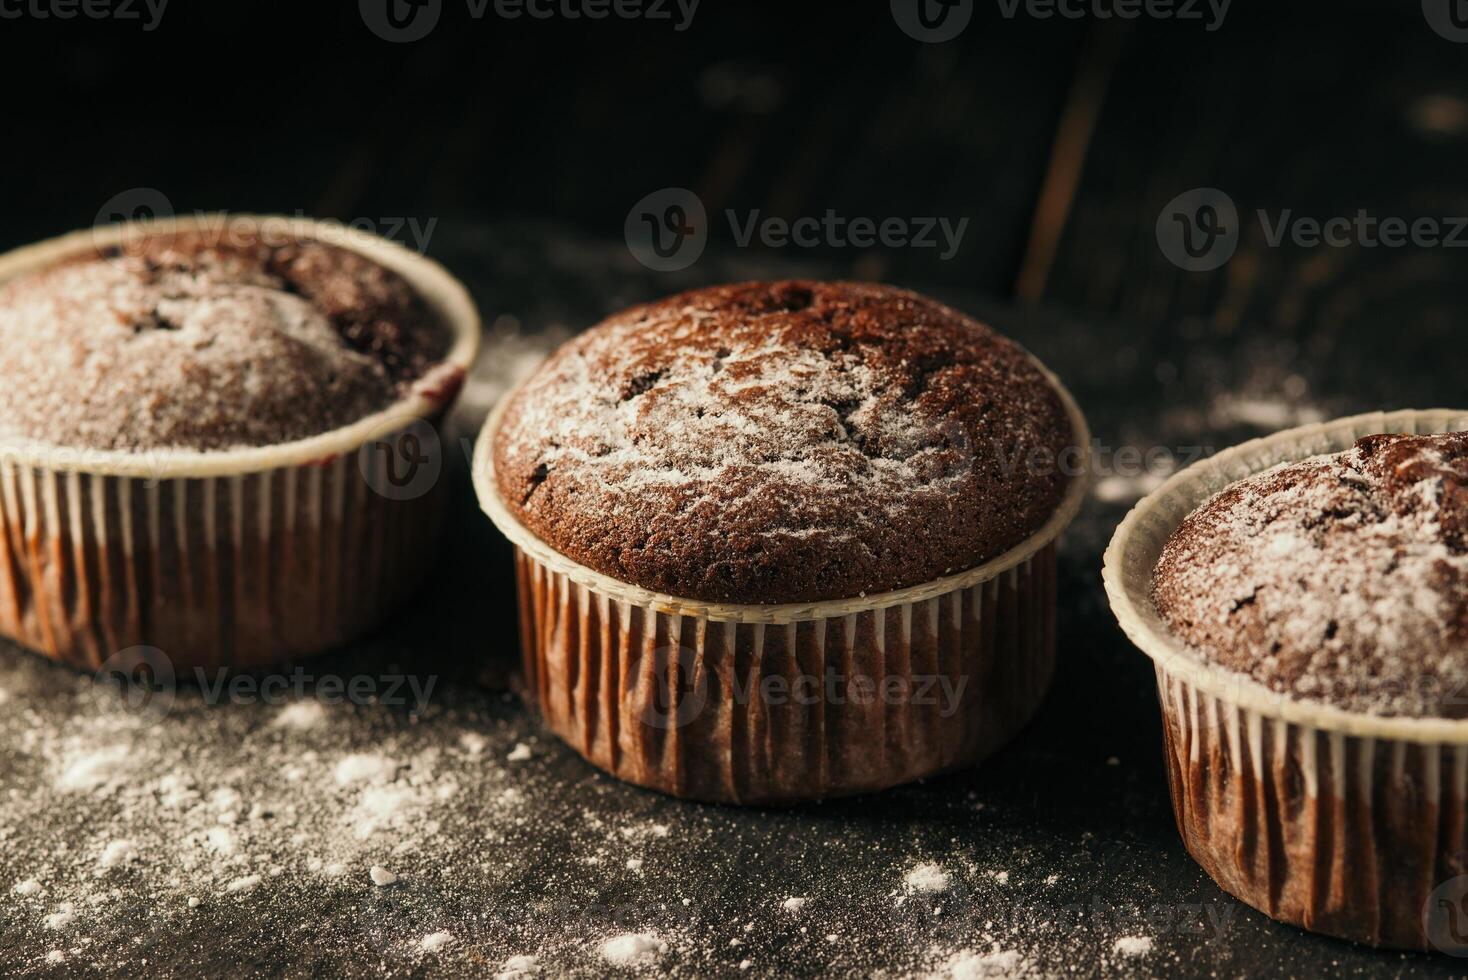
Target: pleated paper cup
pixel 234 558
pixel 782 703
pixel 1349 824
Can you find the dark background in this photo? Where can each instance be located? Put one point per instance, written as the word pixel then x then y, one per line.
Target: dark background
pixel 1060 140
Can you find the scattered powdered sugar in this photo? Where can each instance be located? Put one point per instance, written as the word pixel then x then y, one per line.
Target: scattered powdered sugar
pixel 221 840
pixel 1132 946
pixel 927 878
pixel 385 808
pixel 633 948
pixel 517 967
pixel 519 753
pixel 116 853
pixel 62 917
pixel 240 885
pixel 301 715
pixel 473 743
pixel 997 964
pixel 435 941
pixel 241 829
pixel 1120 489
pixel 96 769
pixel 254 811
pixel 1270 414
pixel 363 769
pixel 645 831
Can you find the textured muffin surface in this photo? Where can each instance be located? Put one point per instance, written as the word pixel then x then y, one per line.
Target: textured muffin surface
pixel 785 442
pixel 213 339
pixel 1341 579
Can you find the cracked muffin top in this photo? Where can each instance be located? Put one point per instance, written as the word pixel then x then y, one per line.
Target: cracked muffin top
pixel 1341 579
pixel 210 339
pixel 776 442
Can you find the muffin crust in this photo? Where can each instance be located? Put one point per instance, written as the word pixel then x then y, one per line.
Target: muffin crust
pixel 1341 579
pixel 776 442
pixel 203 340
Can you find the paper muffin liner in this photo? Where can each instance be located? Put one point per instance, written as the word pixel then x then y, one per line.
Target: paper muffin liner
pixel 237 558
pixel 1348 824
pixel 782 703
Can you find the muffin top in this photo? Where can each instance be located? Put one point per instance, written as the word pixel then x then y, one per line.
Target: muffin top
pixel 778 442
pixel 207 340
pixel 1341 579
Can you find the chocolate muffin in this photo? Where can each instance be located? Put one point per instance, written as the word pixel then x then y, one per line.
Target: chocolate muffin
pixel 1306 621
pixel 209 339
pixel 1341 579
pixel 218 438
pixel 785 442
pixel 785 540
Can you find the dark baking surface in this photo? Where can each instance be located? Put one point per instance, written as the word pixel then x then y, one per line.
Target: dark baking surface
pixel 1325 109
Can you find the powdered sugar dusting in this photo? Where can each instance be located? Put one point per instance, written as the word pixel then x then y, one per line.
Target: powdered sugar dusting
pixel 517 967
pixel 1132 946
pixel 994 964
pixel 1341 579
pixel 363 768
pixel 243 833
pixel 632 949
pixel 927 877
pixel 117 853
pixel 301 715
pixel 854 420
pixel 762 407
pixel 182 344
